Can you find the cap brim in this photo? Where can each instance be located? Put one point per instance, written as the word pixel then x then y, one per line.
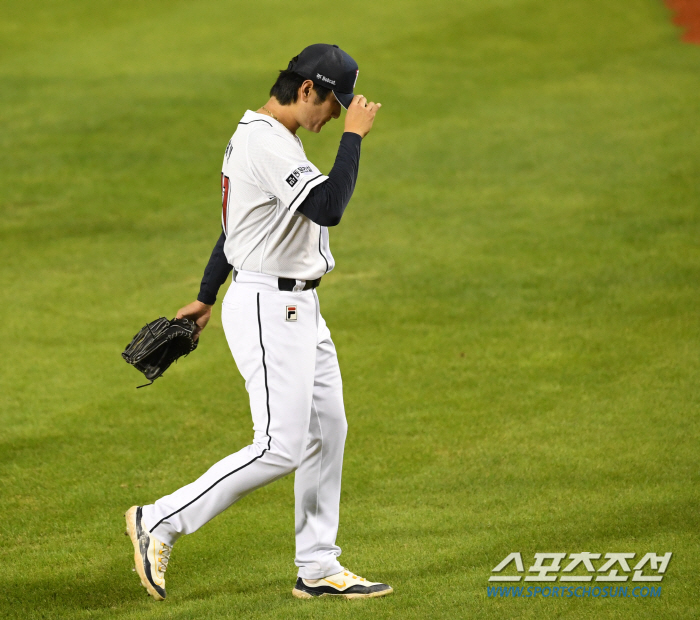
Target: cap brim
pixel 344 99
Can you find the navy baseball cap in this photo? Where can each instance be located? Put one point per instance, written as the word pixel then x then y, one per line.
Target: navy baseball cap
pixel 328 66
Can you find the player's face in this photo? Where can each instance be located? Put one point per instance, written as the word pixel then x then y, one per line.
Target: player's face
pixel 318 113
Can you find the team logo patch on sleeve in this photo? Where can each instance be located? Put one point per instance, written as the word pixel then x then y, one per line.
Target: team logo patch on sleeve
pixel 295 175
pixel 291 313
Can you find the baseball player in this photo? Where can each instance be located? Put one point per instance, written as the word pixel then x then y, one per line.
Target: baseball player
pixel 276 210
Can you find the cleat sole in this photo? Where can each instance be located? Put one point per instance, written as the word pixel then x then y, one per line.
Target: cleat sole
pixel 305 595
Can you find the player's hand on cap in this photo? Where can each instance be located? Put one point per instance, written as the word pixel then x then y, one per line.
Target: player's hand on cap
pixel 197 312
pixel 360 116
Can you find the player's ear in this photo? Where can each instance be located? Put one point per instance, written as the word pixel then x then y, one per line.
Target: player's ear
pixel 305 90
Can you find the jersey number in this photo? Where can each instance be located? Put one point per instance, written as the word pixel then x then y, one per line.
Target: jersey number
pixel 225 184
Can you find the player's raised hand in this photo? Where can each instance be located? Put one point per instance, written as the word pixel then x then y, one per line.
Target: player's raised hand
pixel 197 312
pixel 360 116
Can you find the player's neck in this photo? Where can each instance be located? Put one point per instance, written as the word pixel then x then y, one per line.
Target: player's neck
pixel 281 113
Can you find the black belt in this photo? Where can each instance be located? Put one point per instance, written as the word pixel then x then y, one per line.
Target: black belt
pixel 287 284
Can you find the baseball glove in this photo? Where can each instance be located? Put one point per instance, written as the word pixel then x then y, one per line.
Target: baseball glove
pixel 159 344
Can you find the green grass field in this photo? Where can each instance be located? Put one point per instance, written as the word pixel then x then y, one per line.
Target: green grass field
pixel 515 302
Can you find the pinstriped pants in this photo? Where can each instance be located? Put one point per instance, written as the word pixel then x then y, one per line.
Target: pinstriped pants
pixel 284 351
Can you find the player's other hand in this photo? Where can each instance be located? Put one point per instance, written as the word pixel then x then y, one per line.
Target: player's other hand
pixel 199 313
pixel 360 115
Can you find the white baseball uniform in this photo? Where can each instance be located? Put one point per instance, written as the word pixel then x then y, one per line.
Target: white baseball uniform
pixel 281 346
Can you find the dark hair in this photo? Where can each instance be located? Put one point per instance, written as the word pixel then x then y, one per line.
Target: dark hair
pixel 286 88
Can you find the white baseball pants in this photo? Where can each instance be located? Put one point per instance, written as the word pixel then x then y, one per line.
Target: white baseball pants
pixel 284 351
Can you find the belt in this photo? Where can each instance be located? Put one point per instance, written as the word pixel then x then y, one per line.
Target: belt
pixel 287 284
pixel 283 284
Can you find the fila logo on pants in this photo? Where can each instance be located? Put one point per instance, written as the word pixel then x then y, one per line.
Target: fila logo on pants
pixel 291 313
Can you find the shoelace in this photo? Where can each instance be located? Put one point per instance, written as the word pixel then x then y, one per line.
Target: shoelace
pixel 347 574
pixel 163 557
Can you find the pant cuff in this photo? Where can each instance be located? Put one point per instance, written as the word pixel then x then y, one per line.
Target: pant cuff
pixel 164 532
pixel 315 572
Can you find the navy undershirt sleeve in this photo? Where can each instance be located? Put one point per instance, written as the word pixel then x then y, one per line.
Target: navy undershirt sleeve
pixel 215 274
pixel 326 202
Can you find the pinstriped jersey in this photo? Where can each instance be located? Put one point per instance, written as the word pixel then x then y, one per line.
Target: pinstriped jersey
pixel 265 177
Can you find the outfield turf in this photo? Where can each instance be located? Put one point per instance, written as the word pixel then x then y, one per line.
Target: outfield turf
pixel 515 302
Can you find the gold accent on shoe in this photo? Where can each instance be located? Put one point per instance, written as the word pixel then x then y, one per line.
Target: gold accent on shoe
pixel 342 585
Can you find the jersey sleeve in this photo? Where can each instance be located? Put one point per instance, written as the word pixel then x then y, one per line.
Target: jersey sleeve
pixel 281 169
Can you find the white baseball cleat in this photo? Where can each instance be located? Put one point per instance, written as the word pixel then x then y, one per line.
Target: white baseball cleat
pixel 343 584
pixel 150 555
